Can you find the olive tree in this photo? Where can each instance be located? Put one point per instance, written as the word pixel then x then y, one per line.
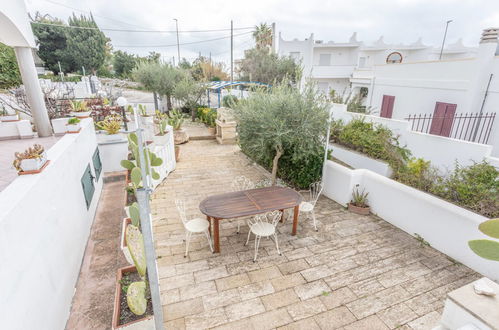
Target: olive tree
pixel 282 121
pixel 190 92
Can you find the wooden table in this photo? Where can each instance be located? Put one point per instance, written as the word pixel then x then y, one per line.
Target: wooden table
pixel 249 202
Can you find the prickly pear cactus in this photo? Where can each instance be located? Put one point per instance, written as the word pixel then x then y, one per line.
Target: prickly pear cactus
pixel 135 244
pixel 136 297
pixel 134 214
pixel 485 248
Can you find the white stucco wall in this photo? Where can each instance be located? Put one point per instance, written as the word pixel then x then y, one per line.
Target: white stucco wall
pixel 447 227
pixel 44 227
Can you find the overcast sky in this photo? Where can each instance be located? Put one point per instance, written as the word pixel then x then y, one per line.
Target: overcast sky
pixel 399 21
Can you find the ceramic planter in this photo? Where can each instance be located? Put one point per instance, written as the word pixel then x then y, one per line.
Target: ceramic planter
pixel 147 322
pixel 124 248
pixel 81 114
pixel 112 137
pixel 59 125
pixel 73 128
pixel 28 165
pixel 358 209
pixel 9 118
pixel 160 139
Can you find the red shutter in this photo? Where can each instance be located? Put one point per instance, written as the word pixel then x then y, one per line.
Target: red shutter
pixel 443 116
pixel 387 106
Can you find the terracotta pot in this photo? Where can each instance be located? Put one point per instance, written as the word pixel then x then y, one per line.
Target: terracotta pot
pixel 117 298
pixel 177 153
pixel 359 210
pixel 180 136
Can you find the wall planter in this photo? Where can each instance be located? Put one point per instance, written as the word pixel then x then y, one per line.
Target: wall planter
pixel 73 128
pixel 9 118
pixel 112 137
pixel 33 165
pixel 81 114
pixel 59 125
pixel 147 120
pixel 358 160
pixel 160 139
pixel 121 309
pixel 358 209
pixel 124 248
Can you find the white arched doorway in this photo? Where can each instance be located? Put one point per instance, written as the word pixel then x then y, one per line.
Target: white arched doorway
pixel 15 31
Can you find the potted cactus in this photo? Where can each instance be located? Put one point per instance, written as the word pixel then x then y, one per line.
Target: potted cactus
pixel 132 299
pixel 134 219
pixel 162 123
pixel 112 126
pixel 358 204
pixel 73 125
pixel 6 116
pixel 147 119
pixel 133 165
pixel 79 109
pixel 176 120
pixel 31 160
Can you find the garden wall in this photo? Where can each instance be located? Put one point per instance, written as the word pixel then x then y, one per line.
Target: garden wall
pixel 44 227
pixel 441 151
pixel 447 227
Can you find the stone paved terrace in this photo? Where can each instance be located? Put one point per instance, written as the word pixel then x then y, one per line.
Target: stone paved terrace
pixel 357 272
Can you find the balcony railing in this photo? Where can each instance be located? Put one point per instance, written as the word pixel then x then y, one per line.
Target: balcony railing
pixel 473 127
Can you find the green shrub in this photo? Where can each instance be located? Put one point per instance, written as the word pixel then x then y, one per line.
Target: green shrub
pixel 9 71
pixel 417 173
pixel 374 140
pixel 229 101
pixel 475 187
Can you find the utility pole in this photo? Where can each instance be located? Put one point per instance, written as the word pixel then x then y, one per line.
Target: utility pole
pixel 273 38
pixel 173 57
pixel 443 41
pixel 178 43
pixel 231 51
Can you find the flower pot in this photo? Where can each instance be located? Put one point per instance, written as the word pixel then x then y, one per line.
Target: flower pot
pixel 9 118
pixel 148 120
pixel 177 153
pixel 35 164
pixel 124 248
pixel 180 136
pixel 59 125
pixel 358 209
pixel 112 137
pixel 160 139
pixel 81 114
pixel 73 128
pixel 146 322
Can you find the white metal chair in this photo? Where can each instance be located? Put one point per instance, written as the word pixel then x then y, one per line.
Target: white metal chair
pixel 264 225
pixel 192 226
pixel 241 183
pixel 307 207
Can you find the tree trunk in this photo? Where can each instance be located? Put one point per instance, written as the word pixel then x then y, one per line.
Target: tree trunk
pixel 169 102
pixel 275 163
pixel 155 97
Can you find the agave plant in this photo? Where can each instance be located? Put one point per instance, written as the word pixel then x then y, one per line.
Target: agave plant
pixel 486 248
pixel 78 106
pixel 111 124
pixel 34 152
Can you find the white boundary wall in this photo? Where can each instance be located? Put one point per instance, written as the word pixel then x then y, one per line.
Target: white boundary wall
pixel 358 160
pixel 441 151
pixel 44 227
pixel 447 227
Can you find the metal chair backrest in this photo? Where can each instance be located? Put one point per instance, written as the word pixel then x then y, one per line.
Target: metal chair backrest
pixel 242 183
pixel 315 191
pixel 269 217
pixel 181 210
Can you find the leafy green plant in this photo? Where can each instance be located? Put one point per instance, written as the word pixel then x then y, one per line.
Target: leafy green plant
pixel 143 110
pixel 9 71
pixel 485 248
pixel 417 173
pixel 73 121
pixel 207 116
pixel 229 101
pixel 285 122
pixel 359 198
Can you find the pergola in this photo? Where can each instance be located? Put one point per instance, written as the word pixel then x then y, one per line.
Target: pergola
pixel 217 86
pixel 15 31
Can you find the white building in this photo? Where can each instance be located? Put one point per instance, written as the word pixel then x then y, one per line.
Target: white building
pixel 455 97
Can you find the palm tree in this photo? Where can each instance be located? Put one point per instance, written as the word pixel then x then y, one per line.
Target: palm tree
pixel 263 36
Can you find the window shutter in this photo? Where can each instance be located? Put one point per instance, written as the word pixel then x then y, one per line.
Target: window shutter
pixel 97 164
pixel 87 183
pixel 387 106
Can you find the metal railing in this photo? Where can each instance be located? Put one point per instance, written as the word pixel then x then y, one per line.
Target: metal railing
pixel 473 127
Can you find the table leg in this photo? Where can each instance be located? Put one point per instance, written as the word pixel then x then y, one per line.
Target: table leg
pixel 295 219
pixel 209 221
pixel 216 235
pixel 282 215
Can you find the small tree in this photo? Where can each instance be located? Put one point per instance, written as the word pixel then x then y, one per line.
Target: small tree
pixel 282 121
pixel 189 91
pixel 9 71
pixel 123 63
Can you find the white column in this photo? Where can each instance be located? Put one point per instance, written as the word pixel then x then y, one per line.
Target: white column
pixel 33 91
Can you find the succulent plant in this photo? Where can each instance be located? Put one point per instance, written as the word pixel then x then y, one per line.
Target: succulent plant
pixel 73 121
pixel 111 124
pixel 134 214
pixel 485 248
pixel 136 297
pixel 143 111
pixel 176 119
pixel 78 106
pixel 34 152
pixel 161 120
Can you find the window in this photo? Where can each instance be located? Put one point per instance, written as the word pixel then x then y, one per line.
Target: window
pixel 295 55
pixel 324 59
pixel 87 183
pixel 394 57
pixel 97 164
